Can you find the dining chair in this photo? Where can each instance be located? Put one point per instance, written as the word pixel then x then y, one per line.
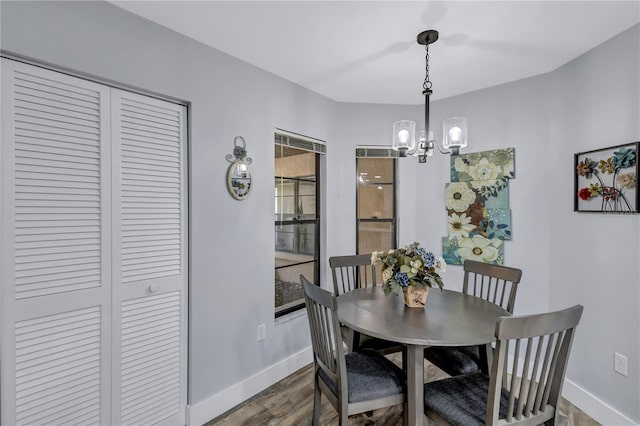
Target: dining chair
pixel 525 393
pixel 355 382
pixel 351 273
pixel 495 283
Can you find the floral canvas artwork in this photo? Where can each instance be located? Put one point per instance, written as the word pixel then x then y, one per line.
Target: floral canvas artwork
pixel 455 251
pixel 606 180
pixel 477 203
pixel 495 167
pixel 499 223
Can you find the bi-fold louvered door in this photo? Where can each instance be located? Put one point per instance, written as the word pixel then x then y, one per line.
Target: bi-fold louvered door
pixel 93 250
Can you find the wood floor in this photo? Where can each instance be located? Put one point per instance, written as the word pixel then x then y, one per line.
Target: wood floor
pixel 290 403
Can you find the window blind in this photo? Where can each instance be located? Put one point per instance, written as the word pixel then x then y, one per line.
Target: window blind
pixel 376 152
pixel 293 140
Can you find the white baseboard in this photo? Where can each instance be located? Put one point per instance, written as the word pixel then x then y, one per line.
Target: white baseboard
pixel 203 411
pixel 597 409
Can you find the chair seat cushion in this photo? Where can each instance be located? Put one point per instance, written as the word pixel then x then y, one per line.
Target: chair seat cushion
pixel 462 400
pixel 369 376
pixel 454 360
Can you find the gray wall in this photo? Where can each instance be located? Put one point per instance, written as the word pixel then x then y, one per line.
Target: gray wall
pixel 232 243
pixel 591 102
pixel 594 259
pixel 567 258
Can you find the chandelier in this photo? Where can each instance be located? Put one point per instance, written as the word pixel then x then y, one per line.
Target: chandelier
pixel 421 144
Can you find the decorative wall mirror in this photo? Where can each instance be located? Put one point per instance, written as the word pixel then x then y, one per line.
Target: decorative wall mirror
pixel 239 181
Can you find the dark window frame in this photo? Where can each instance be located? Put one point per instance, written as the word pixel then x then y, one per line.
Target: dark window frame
pixel 317 230
pixel 394 219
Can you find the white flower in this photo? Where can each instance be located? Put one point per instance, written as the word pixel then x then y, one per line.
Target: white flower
pixel 387 274
pixel 415 266
pixel 459 196
pixel 484 170
pixel 460 165
pixel 477 248
pixel 460 225
pixel 441 264
pixel 627 180
pixel 390 251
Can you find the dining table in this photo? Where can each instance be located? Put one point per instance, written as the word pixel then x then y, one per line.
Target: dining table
pixel 449 318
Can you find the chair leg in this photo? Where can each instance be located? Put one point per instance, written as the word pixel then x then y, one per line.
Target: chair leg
pixel 404 359
pixel 317 401
pixel 405 409
pixel 343 418
pixel 486 357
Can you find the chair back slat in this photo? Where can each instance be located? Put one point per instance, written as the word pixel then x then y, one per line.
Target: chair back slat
pixel 533 389
pixel 554 365
pixel 544 371
pixel 495 283
pixel 514 377
pixel 352 272
pixel 525 385
pixel 326 339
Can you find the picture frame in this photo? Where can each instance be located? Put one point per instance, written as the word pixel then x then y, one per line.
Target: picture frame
pixel 606 180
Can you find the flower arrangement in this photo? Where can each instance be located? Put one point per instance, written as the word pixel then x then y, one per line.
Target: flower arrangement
pixel 411 265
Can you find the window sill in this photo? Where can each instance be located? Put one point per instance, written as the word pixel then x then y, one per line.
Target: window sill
pixel 291 316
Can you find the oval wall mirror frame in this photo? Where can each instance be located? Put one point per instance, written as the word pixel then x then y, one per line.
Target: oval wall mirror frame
pixel 239 181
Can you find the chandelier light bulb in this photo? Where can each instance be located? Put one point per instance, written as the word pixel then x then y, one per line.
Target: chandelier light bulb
pixel 455 133
pixel 403 136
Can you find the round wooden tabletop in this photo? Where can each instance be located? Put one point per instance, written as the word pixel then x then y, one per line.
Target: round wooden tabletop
pixel 449 318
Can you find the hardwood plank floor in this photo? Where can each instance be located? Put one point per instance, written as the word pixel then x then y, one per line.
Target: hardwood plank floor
pixel 290 403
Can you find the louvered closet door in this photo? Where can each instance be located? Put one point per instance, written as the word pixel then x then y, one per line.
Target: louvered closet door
pixel 56 269
pixel 149 254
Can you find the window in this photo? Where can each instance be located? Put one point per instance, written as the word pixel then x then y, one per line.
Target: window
pixel 297 218
pixel 376 199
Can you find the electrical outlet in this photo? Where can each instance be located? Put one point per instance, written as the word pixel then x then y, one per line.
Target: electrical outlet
pixel 620 363
pixel 262 332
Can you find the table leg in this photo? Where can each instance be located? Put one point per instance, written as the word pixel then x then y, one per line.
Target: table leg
pixel 415 385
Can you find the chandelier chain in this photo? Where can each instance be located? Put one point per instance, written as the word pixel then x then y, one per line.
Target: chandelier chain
pixel 427 83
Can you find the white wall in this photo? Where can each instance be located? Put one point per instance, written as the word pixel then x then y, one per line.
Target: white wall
pixel 567 257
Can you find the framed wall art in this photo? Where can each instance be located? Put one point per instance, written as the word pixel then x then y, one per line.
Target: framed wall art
pixel 606 180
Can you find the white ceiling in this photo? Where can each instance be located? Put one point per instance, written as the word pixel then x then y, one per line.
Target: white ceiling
pixel 366 51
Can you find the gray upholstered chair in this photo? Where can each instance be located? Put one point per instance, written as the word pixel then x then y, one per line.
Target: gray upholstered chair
pixel 495 283
pixel 350 273
pixel 527 392
pixel 356 382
